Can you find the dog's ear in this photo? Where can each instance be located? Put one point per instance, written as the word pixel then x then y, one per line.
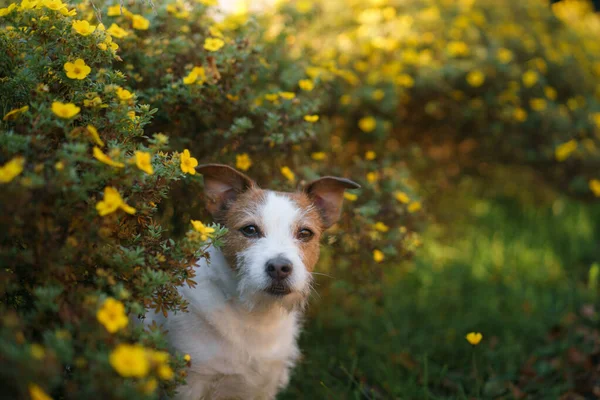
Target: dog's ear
pixel 327 194
pixel 222 184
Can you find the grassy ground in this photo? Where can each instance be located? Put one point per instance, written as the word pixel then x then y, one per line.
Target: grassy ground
pixel 517 274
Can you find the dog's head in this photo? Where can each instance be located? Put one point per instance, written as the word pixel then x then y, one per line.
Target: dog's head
pixel 273 237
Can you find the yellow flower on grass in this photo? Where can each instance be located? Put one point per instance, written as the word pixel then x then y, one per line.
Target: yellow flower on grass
pixel 116 31
pixel 372 177
pixel 11 169
pixel 318 156
pixel 404 80
pixel 367 124
pixel 130 361
pixel 504 55
pixel 402 197
pixel 29 4
pixel 6 10
pixel 381 227
pixel 53 4
pixel 287 95
pixel 83 27
pixel 550 92
pixel 115 10
pixel 112 315
pixel 37 393
pixel 288 174
pixel 520 114
pixel 188 163
pixel 370 155
pixel 205 231
pixel 187 358
pixel 311 118
pixel 100 156
pixel 538 104
pixel 243 161
pixel 306 84
pixel 378 255
pixel 530 78
pixel 165 372
pixel 564 151
pixel 213 44
pixel 124 94
pixel 93 102
pixel 112 202
pixel 197 74
pixel 140 23
pixel 474 338
pixel 77 70
pixel 94 134
pixel 595 187
pixel 13 114
pixel 458 49
pixel 414 207
pixel 142 161
pixel 65 110
pixel 475 78
pixel 350 196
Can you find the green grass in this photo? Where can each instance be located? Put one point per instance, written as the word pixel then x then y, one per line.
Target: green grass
pixel 517 274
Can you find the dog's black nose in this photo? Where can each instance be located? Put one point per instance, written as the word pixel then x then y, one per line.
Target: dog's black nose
pixel 279 268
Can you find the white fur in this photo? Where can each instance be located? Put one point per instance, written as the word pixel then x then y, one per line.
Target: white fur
pixel 242 341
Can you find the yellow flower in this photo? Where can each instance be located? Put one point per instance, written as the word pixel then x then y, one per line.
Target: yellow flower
pixel 142 160
pixel 243 161
pixel 595 187
pixel 205 231
pixel 196 74
pixel 100 156
pixel 530 78
pixel 124 94
pixel 37 351
pixel 287 95
pixel 213 44
pixel 367 124
pixel 538 104
pixel 458 49
pixel 372 177
pixel 187 358
pixel 475 78
pixel 311 118
pixel 140 23
pixel 112 202
pixel 37 393
pixel 404 80
pixel 59 165
pixel 550 93
pixel 596 119
pixel 65 110
pixel 504 55
pixel 130 361
pixel 350 196
pixel 414 207
pixel 13 114
pixel 563 151
pixel 271 97
pixel 11 169
pixel 288 174
pixel 318 156
pixel 83 27
pixel 520 114
pixel 6 10
pixel 306 84
pixel 77 70
pixel 115 10
pixel 378 255
pixel 112 315
pixel 304 6
pixel 53 4
pixel 116 31
pixel 188 163
pixel 165 372
pixel 402 197
pixel 381 227
pixel 378 94
pixel 29 4
pixel 370 155
pixel 94 134
pixel 474 338
pixel 94 102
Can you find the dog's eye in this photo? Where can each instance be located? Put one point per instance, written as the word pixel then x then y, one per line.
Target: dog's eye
pixel 250 231
pixel 305 234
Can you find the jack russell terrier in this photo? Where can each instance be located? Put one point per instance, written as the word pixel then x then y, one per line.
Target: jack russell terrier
pixel 244 314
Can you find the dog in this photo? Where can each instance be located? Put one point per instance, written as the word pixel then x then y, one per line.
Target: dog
pixel 245 312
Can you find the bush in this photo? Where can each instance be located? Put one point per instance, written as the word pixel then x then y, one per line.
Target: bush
pixel 471 83
pixel 95 208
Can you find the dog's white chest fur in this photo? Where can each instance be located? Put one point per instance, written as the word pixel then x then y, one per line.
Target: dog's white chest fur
pixel 236 352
